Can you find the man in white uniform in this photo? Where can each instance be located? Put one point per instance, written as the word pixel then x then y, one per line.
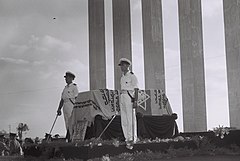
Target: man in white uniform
pixel 69 94
pixel 128 83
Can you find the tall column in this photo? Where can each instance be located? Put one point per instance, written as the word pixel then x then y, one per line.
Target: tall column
pixel 192 65
pixel 97 60
pixel 153 44
pixel 232 39
pixel 121 35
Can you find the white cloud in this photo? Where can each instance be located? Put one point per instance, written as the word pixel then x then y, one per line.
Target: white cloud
pixel 19 48
pixel 14 61
pixel 52 42
pixel 44 49
pixel 38 63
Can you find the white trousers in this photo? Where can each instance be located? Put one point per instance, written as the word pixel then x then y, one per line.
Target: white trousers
pixel 67 112
pixel 127 113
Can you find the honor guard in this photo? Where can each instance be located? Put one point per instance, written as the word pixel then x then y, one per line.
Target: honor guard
pixel 69 94
pixel 128 83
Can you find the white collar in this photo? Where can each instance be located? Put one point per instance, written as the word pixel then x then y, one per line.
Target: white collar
pixel 126 73
pixel 68 85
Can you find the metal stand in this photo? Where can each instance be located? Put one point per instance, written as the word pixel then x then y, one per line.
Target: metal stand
pixel 106 127
pixel 52 127
pixel 134 111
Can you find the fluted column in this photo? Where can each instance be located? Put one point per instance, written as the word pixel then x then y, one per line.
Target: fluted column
pixel 153 44
pixel 97 60
pixel 192 66
pixel 121 35
pixel 232 39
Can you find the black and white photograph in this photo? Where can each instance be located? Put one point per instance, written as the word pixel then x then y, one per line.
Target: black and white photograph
pixel 117 80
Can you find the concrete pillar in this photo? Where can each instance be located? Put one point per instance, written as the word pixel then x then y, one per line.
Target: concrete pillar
pixel 153 44
pixel 192 66
pixel 97 59
pixel 121 35
pixel 232 39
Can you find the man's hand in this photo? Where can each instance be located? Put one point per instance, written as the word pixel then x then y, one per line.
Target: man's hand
pixel 59 112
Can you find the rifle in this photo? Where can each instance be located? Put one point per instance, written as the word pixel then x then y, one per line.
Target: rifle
pixel 135 99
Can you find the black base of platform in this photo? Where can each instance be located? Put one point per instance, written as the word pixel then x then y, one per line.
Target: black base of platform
pixel 99 151
pixel 76 150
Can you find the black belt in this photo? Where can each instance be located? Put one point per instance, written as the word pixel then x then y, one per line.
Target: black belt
pixel 71 101
pixel 132 98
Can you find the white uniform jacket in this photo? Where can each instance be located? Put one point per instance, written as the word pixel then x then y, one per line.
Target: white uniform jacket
pixel 69 94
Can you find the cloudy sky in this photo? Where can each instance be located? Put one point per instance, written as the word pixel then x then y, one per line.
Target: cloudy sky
pixel 42 39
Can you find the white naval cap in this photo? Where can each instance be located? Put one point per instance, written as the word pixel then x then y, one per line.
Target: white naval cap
pixel 68 73
pixel 124 60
